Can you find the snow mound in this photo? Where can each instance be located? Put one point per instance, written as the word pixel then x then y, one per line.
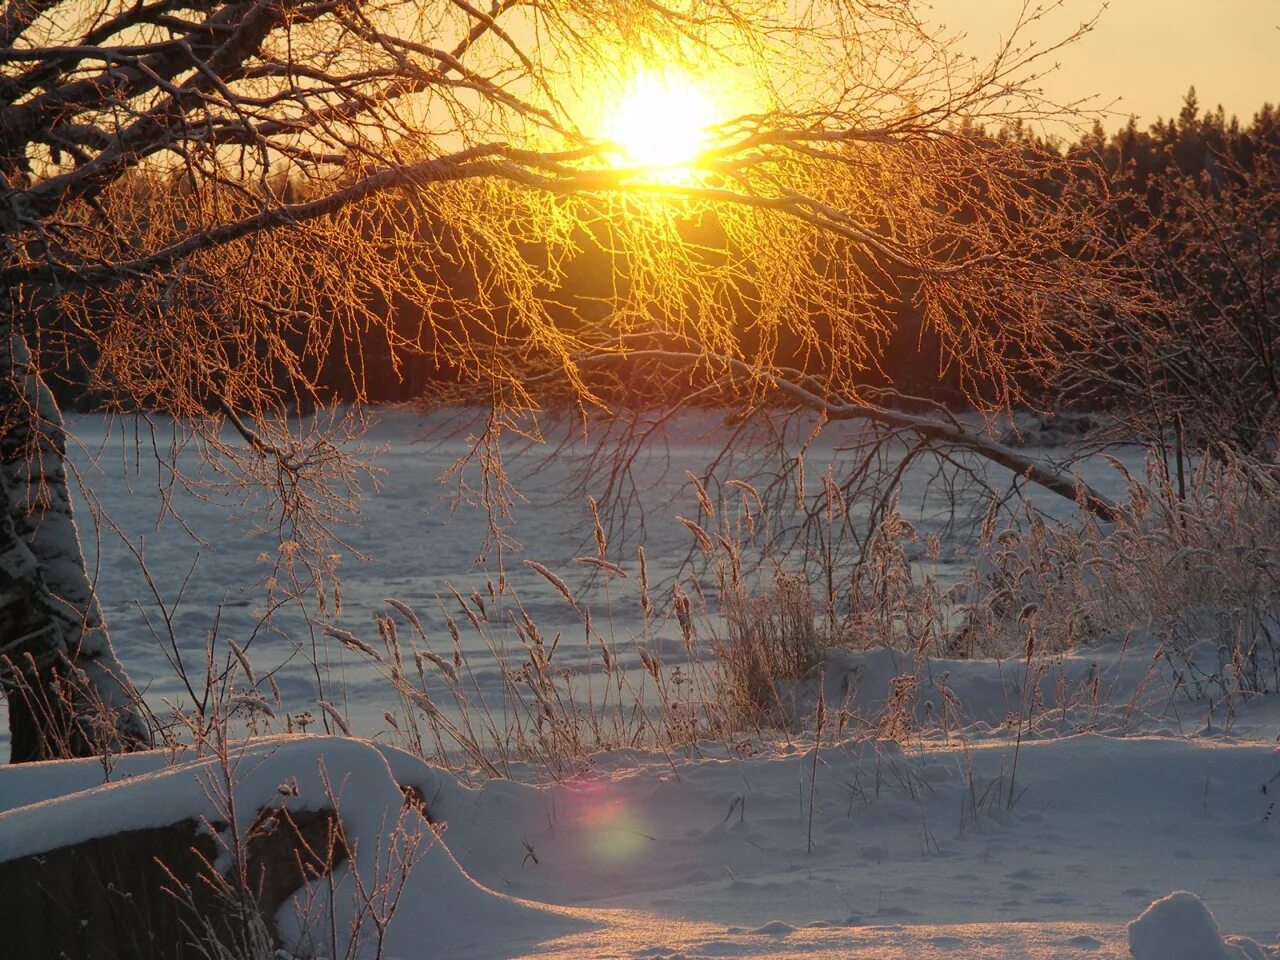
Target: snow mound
pixel 400 876
pixel 774 928
pixel 1181 927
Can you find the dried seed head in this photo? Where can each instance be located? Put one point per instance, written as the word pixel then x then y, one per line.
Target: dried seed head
pixel 602 542
pixel 684 615
pixel 646 602
pixel 332 712
pixel 651 662
pixel 422 701
pixel 475 622
pixel 407 612
pixel 348 639
pixel 243 661
pixel 552 579
pixel 699 534
pixel 605 565
pixel 704 501
pixel 443 665
pixel 252 703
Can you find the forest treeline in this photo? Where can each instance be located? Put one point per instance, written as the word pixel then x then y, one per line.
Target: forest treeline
pixel 1158 182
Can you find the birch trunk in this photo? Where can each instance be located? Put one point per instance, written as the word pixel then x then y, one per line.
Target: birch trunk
pixel 68 694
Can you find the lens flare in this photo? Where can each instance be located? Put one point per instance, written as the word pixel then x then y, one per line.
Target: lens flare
pixel 612 830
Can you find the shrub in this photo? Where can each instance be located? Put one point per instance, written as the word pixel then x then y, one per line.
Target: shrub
pixel 771 641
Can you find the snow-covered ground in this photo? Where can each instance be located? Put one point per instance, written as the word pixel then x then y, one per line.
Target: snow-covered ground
pixel 872 851
pixel 1025 815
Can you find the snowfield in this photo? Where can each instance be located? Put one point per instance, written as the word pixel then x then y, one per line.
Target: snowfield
pixel 1095 807
pixel 905 853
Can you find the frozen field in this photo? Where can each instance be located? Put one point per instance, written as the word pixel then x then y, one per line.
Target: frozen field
pixel 209 565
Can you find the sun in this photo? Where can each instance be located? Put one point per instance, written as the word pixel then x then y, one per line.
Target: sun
pixel 662 120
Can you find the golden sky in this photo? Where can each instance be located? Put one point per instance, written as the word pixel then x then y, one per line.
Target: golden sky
pixel 1148 52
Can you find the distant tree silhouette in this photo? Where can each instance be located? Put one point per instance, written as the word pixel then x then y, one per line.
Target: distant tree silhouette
pixel 1197 209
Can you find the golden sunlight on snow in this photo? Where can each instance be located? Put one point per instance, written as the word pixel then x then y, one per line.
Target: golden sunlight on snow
pixel 630 933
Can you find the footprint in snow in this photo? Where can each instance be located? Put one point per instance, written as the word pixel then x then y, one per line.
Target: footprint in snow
pixel 947 943
pixel 1084 941
pixel 1026 873
pixel 894 911
pixel 1055 898
pixel 775 928
pixel 718 948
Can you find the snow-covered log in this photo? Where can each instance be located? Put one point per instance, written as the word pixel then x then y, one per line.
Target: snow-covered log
pixel 68 694
pixel 318 846
pixel 154 894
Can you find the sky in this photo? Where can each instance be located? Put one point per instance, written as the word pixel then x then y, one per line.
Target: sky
pixel 1147 52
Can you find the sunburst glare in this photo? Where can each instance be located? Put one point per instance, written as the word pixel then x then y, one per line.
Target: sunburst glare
pixel 662 120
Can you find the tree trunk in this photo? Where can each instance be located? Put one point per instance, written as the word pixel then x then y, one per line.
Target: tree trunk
pixel 68 695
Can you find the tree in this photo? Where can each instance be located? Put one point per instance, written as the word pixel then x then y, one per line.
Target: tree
pixel 1192 360
pixel 208 197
